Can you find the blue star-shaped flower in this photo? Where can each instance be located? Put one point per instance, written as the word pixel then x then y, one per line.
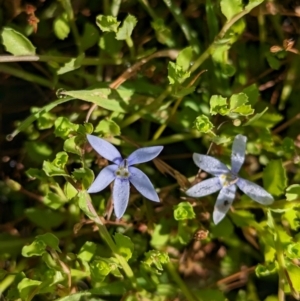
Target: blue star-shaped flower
pixel 226 180
pixel 123 173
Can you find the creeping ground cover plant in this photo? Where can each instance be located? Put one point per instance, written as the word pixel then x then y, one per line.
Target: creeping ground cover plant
pixel 227 180
pixel 108 105
pixel 123 173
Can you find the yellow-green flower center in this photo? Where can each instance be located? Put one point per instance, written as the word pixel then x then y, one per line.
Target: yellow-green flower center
pixel 123 172
pixel 228 179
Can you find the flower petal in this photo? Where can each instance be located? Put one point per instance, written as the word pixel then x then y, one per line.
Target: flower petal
pixel 120 196
pixel 142 183
pixel 144 154
pixel 255 192
pixel 210 164
pixel 104 148
pixel 238 153
pixel 223 203
pixel 104 178
pixel 203 188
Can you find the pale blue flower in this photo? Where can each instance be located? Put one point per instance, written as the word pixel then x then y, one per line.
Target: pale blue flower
pixel 123 173
pixel 227 180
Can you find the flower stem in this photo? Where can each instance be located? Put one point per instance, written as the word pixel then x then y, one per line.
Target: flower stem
pixel 177 279
pixel 110 242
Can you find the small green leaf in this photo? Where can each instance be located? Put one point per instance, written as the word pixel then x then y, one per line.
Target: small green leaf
pixel 81 198
pixel 264 120
pixel 124 245
pixel 293 272
pixel 28 287
pixel 63 127
pixel 183 211
pixel 265 270
pixel 127 27
pixel 57 166
pixel 184 92
pixel 274 178
pixel 71 65
pixel 110 44
pixel 176 74
pixel 157 259
pixel 288 146
pixel 273 61
pixel 90 36
pixel 253 94
pixel 87 251
pixel 220 139
pixel 218 105
pixel 85 176
pixel 107 23
pixel 74 145
pixel 230 8
pixel 293 192
pixel 61 26
pixel 253 119
pixel 53 200
pixel 44 218
pixel 108 128
pixel 203 124
pixel 184 58
pixel 39 245
pixel 46 121
pixel 237 100
pixel 16 43
pixel 100 268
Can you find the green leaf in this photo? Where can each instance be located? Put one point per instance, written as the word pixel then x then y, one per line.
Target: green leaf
pixel 117 100
pixel 184 58
pixel 203 124
pixel 80 297
pixel 292 216
pixel 100 268
pixel 28 287
pixel 293 272
pixel 230 8
pixel 223 229
pixel 63 127
pixel 220 139
pixel 46 121
pixel 257 116
pixel 127 27
pixel 53 200
pixel 293 192
pixel 16 43
pixel 265 270
pixel 161 234
pixel 253 94
pixel 108 128
pixel 124 245
pixel 107 23
pixel 273 61
pixel 45 218
pixel 264 120
pixel 183 211
pixel 184 92
pixel 109 44
pixel 176 74
pixel 71 65
pixel 39 245
pixel 288 146
pixel 81 198
pixel 157 259
pixel 74 145
pixel 274 178
pixel 218 105
pixel 85 176
pixel 57 166
pixel 61 26
pixel 87 251
pixel 237 100
pixel 90 36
